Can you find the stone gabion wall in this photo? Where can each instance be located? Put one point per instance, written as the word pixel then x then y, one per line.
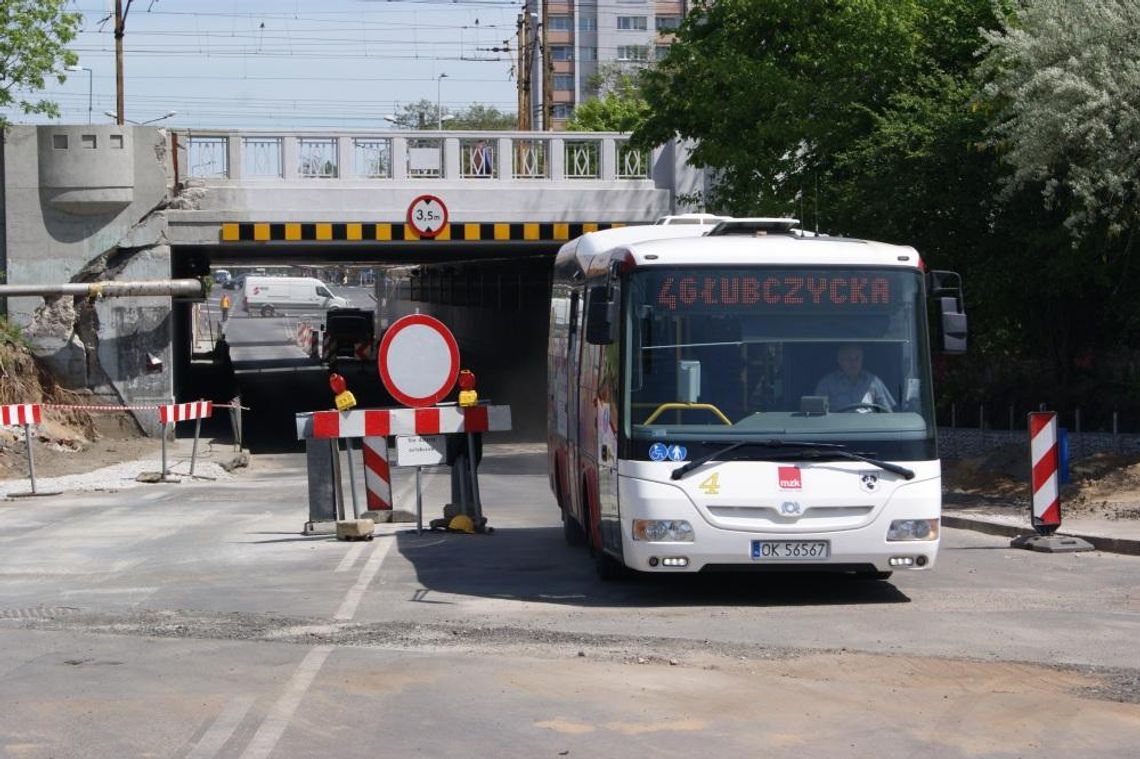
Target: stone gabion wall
pixel 964 442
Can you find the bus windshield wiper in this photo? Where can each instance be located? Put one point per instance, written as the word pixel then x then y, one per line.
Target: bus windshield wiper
pixel 805 450
pixel 684 469
pixel 823 453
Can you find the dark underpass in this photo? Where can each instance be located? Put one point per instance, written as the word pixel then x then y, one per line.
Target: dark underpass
pixel 494 298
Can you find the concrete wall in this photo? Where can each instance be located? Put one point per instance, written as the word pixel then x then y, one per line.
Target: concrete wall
pixel 84 203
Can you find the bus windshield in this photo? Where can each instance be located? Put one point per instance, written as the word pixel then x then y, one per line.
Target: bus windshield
pixel 714 355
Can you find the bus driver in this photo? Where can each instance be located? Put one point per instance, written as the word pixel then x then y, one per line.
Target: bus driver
pixel 851 388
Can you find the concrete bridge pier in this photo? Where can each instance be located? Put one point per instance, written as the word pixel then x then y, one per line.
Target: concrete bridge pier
pixel 83 204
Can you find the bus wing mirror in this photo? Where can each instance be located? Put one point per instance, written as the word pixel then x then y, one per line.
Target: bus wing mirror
pixel 600 315
pixel 952 326
pixel 946 288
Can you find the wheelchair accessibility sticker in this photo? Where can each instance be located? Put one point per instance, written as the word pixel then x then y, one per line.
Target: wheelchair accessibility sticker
pixel 662 452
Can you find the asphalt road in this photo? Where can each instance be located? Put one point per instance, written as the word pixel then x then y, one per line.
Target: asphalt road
pixel 193 620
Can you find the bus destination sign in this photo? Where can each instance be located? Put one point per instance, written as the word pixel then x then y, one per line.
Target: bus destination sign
pixel 829 291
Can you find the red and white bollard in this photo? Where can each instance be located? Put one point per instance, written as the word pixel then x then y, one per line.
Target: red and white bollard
pixel 1045 460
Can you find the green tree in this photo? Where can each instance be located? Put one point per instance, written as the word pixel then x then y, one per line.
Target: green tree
pixel 33 36
pixel 772 90
pixel 1065 78
pixel 422 114
pixel 618 105
pixel 478 117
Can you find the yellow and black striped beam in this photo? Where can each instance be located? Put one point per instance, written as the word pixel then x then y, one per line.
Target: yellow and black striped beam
pixel 386 232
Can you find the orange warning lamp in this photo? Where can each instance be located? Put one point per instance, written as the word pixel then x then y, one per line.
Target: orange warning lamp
pixel 344 398
pixel 467 394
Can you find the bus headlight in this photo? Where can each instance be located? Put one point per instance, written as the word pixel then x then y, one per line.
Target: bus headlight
pixel 912 529
pixel 663 530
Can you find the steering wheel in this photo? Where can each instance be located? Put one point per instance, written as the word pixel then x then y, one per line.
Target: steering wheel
pixel 876 407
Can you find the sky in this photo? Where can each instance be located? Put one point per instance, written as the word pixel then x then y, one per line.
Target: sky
pixel 288 63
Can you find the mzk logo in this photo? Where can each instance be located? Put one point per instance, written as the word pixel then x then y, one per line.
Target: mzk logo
pixel 789 478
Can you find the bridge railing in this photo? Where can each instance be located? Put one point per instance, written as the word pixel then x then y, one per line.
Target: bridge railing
pixel 263 156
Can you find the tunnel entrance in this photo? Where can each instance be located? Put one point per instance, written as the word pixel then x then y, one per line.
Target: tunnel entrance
pixel 495 301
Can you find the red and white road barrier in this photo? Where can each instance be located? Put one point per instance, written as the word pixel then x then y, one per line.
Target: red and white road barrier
pixel 184 412
pixel 25 415
pixel 172 413
pixel 1045 459
pixel 377 474
pixel 21 414
pixel 437 420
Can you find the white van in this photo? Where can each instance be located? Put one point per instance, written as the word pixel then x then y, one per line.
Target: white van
pixel 269 296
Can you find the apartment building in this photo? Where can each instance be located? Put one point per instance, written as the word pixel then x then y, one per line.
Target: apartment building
pixel 563 43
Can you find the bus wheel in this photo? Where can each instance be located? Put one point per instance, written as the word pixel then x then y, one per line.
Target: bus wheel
pixel 267 310
pixel 572 531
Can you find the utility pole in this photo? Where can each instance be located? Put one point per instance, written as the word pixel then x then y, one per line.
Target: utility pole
pixel 547 70
pixel 523 81
pixel 120 28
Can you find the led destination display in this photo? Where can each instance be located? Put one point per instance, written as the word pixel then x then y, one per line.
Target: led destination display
pixel 799 290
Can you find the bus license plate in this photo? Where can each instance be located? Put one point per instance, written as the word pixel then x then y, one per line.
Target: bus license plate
pixel 790 550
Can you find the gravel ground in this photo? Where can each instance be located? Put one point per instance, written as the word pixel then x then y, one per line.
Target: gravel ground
pixel 114 477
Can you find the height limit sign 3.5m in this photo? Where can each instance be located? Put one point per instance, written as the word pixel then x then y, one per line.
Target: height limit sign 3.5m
pixel 427 216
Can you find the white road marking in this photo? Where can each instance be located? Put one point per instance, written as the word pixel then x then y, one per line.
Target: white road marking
pixel 352 599
pixel 350 557
pixel 277 721
pixel 271 730
pixel 221 729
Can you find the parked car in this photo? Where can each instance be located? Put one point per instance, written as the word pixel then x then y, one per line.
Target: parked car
pixel 234 283
pixel 270 296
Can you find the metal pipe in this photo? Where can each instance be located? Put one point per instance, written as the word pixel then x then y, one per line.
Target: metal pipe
pixel 110 289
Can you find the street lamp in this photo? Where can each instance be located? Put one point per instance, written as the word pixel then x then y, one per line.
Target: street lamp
pixel 166 115
pixel 90 80
pixel 438 112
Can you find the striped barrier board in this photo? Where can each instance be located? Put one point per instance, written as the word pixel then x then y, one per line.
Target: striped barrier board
pixel 377 474
pixel 182 412
pixel 20 413
pixel 436 420
pixel 1045 459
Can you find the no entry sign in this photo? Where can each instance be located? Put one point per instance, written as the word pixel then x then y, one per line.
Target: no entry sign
pixel 418 360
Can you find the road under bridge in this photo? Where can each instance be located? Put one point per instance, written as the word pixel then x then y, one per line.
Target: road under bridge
pixel 472 234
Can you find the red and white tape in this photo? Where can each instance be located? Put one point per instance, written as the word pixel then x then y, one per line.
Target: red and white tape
pixel 436 420
pixel 20 413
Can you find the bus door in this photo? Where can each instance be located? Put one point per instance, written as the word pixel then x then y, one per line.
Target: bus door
pixel 600 375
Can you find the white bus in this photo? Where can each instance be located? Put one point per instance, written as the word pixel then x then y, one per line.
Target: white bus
pixel 703 409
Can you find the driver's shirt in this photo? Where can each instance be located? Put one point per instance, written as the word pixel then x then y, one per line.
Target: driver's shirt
pixel 843 391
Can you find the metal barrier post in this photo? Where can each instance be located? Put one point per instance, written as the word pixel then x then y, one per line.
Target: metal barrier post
pixel 235 421
pixel 194 449
pixel 351 478
pixel 339 486
pixel 31 457
pixel 162 474
pixel 474 481
pixel 419 502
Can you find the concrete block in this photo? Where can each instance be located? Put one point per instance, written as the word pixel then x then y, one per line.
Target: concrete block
pixel 355 529
pixel 1051 543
